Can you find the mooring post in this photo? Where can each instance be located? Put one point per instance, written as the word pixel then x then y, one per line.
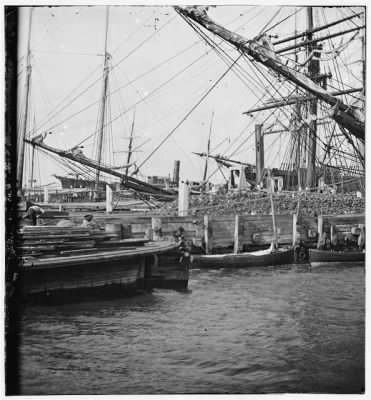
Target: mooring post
pixel 333 235
pixel 237 235
pixel 321 235
pixel 183 199
pixel 320 225
pixel 207 233
pixel 361 237
pixel 46 195
pixel 108 199
pixel 295 233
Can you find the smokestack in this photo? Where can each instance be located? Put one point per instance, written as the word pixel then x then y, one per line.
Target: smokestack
pixel 176 171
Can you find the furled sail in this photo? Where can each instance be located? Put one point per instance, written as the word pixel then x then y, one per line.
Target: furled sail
pixel 261 50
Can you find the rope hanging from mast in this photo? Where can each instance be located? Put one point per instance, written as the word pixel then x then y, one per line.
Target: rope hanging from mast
pixel 346 116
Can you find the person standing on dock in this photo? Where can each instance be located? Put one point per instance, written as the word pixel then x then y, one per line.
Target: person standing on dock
pixel 33 212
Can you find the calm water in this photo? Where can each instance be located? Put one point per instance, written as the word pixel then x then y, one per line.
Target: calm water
pixel 287 329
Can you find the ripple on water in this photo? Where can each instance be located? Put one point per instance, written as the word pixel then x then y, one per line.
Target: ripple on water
pixel 259 330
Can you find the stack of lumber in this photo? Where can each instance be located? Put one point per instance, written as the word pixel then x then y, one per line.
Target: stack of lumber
pixel 52 241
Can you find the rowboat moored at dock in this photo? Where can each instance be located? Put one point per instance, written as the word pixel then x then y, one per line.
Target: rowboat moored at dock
pixel 318 258
pixel 244 260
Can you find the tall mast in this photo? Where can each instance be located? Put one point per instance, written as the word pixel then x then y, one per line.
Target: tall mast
pixel 32 165
pixel 297 129
pixel 313 70
pixel 344 114
pixel 103 109
pixel 21 144
pixel 208 149
pixel 130 145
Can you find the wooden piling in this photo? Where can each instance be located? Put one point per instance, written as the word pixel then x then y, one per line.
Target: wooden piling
pixel 108 199
pixel 208 234
pixel 295 233
pixel 238 235
pixel 157 228
pixel 46 195
pixel 183 199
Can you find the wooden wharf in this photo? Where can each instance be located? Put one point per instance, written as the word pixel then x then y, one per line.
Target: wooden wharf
pixel 236 233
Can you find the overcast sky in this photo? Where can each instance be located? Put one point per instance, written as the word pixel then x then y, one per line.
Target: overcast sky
pixel 161 69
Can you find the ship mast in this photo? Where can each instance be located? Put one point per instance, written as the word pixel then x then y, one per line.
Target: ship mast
pixel 313 71
pixel 21 143
pixel 343 114
pixel 208 149
pixel 130 145
pixel 298 130
pixel 103 107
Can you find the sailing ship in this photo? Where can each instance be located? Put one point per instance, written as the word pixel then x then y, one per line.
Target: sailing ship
pixel 82 165
pixel 321 112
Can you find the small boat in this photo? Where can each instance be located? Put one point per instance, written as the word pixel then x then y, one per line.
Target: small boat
pixel 133 267
pixel 262 258
pixel 319 258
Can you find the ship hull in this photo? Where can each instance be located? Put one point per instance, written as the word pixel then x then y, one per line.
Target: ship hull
pixel 117 273
pixel 243 260
pixel 320 258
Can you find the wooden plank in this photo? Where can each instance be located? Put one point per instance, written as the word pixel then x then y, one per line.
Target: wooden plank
pixel 261 239
pixel 140 228
pixel 344 228
pixel 345 219
pixel 37 248
pixel 222 243
pixel 42 242
pixel 78 251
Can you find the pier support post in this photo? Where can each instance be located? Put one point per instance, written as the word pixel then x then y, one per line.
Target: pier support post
pixel 157 228
pixel 321 235
pixel 320 225
pixel 46 195
pixel 295 233
pixel 183 199
pixel 108 199
pixel 333 235
pixel 238 230
pixel 208 234
pixel 361 237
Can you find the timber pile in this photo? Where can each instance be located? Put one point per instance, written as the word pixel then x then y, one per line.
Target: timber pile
pixel 308 204
pixel 54 241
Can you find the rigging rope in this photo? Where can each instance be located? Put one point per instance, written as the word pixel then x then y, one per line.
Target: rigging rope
pixel 189 113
